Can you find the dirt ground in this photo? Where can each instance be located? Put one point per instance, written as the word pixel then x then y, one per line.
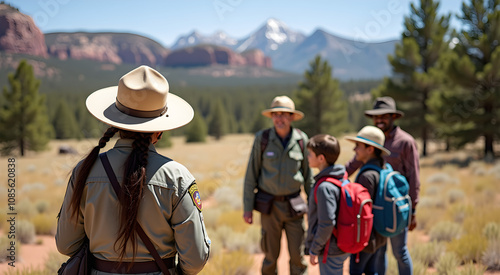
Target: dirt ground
pixel 32 256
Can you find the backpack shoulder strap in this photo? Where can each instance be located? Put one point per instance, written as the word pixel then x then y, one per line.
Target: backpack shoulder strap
pixel 145 239
pixel 367 167
pixel 300 141
pixel 327 179
pixel 264 141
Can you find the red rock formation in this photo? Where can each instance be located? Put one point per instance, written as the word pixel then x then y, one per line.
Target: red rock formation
pixel 116 48
pixel 206 55
pixel 19 34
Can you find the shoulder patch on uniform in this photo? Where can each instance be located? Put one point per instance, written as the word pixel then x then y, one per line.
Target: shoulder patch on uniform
pixel 195 196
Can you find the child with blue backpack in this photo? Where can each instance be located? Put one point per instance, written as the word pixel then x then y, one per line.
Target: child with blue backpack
pixel 370 151
pixel 323 151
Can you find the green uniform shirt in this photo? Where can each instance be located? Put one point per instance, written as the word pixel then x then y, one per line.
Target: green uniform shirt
pixel 169 213
pixel 279 171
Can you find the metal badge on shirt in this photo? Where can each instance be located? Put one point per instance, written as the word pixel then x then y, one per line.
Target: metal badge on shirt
pixel 195 196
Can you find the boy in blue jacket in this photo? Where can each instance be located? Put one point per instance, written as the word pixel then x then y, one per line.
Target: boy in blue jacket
pixel 323 151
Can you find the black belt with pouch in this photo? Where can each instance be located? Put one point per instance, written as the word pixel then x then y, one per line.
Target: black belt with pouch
pixel 264 201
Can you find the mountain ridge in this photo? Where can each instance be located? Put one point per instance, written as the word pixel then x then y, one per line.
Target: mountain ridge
pixel 281 48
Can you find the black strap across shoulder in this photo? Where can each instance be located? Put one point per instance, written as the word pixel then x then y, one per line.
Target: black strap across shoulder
pixel 145 239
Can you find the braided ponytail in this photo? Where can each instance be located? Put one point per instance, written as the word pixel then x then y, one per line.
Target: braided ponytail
pixel 84 170
pixel 133 186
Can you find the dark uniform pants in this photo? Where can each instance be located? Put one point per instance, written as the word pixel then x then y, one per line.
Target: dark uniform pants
pixel 272 226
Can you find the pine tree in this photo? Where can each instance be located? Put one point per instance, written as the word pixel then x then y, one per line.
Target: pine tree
pixel 165 140
pixel 65 123
pixel 476 68
pixel 23 115
pixel 260 122
pixel 321 100
pixel 423 42
pixel 219 123
pixel 90 127
pixel 196 131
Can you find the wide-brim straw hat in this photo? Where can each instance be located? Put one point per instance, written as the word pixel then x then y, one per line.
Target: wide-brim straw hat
pixel 372 136
pixel 384 105
pixel 140 103
pixel 283 104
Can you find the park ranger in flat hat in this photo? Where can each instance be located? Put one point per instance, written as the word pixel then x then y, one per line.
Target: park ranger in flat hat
pixel 277 168
pixel 162 196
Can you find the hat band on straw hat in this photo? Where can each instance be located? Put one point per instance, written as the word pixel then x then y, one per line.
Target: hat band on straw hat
pixel 139 113
pixel 282 107
pixel 370 141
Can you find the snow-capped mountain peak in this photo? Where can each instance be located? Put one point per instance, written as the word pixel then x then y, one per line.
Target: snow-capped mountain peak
pixel 269 37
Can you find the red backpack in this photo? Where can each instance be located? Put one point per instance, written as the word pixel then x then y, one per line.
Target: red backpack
pixel 354 219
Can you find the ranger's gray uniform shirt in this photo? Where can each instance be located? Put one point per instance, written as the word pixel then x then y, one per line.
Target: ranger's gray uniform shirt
pixel 167 213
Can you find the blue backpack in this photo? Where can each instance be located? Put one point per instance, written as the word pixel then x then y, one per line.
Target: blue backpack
pixel 391 204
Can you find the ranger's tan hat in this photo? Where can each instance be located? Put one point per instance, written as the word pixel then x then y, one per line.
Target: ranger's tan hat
pixel 141 103
pixel 283 104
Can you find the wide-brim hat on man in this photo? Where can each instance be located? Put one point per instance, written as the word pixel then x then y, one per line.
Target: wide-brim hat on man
pixel 141 103
pixel 384 105
pixel 372 136
pixel 283 104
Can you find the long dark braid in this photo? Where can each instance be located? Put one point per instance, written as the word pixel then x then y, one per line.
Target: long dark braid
pixel 84 170
pixel 134 179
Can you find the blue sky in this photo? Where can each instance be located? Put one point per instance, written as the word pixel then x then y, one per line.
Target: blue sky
pixel 166 20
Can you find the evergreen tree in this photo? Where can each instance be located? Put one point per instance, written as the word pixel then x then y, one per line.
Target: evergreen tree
pixel 64 121
pixel 260 122
pixel 476 68
pixel 219 123
pixel 423 42
pixel 321 100
pixel 196 131
pixel 90 127
pixel 165 140
pixel 23 115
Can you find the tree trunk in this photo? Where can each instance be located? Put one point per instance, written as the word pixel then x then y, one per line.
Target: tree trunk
pixel 424 140
pixel 488 135
pixel 488 147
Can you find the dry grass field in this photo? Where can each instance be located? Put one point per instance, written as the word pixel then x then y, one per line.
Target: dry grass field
pixel 458 217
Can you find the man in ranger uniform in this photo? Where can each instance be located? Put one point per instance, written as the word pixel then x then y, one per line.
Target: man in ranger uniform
pixel 276 169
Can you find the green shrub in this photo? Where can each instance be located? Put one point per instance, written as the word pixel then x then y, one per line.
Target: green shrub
pixel 445 231
pixel 236 262
pixel 419 268
pixel 492 231
pixel 233 219
pixel 447 264
pixel 26 209
pixel 427 253
pixel 25 232
pixel 455 195
pixel 433 190
pixel 54 261
pixel 228 195
pixel 42 206
pixel 4 245
pixel 460 211
pixel 430 202
pixel 211 215
pixel 472 269
pixel 44 224
pixel 491 256
pixel 440 178
pixel 469 247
